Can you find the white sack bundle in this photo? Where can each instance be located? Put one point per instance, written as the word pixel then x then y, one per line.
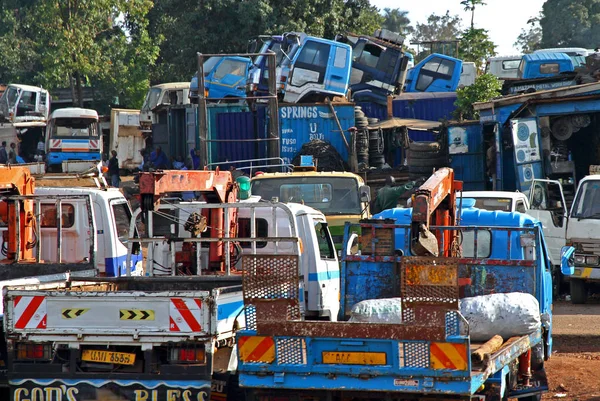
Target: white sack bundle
pixel 387 310
pixel 507 315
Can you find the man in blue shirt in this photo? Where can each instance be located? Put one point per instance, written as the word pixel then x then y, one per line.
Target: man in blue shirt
pixel 159 160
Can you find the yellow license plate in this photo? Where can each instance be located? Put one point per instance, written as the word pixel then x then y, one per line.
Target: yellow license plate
pixel 354 358
pixel 119 358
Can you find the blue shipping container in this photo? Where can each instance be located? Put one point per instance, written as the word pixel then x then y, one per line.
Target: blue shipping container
pixel 300 124
pixel 432 106
pixel 216 131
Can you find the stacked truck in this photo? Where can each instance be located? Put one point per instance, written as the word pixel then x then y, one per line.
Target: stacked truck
pixel 426 262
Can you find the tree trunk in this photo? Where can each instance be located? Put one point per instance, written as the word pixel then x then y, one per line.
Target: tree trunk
pixel 472 17
pixel 79 90
pixel 73 97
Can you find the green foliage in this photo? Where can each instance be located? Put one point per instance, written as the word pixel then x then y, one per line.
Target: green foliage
pixel 570 23
pixel 397 20
pixel 438 28
pixel 476 46
pixel 224 26
pixel 485 88
pixel 470 5
pixel 530 40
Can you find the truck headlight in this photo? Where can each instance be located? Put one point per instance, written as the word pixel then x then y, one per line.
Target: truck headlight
pixel 592 260
pixel 580 259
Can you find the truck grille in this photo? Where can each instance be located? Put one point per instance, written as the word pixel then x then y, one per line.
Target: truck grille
pixel 587 246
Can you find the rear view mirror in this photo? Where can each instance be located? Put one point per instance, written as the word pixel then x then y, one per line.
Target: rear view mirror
pixel 567 260
pixel 365 193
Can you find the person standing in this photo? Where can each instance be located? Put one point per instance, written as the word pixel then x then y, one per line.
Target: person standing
pixel 3 154
pixel 113 169
pixel 12 154
pixel 195 155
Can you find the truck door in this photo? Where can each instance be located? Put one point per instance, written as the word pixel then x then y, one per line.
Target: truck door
pixel 324 280
pixel 547 204
pixel 527 152
pixel 75 242
pixel 313 72
pixel 437 73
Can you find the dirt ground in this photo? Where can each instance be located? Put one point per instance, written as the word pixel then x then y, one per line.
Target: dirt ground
pixel 573 371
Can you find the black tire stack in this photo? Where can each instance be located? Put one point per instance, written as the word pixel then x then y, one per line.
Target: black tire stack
pixel 362 138
pixel 376 145
pixel 425 157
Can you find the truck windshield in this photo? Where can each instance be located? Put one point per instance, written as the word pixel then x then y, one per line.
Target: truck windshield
pixel 587 201
pixel 74 127
pixel 151 99
pixel 332 196
pixel 210 64
pixel 10 96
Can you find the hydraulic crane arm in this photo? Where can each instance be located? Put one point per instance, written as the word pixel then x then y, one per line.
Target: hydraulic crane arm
pixel 215 186
pixel 434 203
pixel 18 213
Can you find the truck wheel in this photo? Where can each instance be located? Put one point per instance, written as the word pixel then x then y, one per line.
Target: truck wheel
pixel 424 146
pixel 578 291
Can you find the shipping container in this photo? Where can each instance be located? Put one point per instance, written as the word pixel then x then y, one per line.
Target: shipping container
pixel 300 124
pixel 236 133
pixel 432 106
pixel 176 133
pixel 126 137
pixel 466 150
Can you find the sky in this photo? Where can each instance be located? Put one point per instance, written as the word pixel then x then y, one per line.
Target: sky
pixel 499 17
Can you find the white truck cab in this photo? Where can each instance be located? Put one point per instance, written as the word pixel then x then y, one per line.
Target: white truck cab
pixel 583 233
pixel 545 202
pixel 504 201
pixel 318 259
pixel 112 216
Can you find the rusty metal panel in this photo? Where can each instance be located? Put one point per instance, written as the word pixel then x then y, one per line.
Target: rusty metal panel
pixel 271 285
pixel 383 331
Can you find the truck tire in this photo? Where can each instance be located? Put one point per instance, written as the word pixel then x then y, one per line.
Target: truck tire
pixel 431 162
pixel 413 154
pixel 578 291
pixel 424 146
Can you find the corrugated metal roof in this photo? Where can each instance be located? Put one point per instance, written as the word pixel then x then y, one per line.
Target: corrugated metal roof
pixel 569 91
pixel 410 123
pixel 543 56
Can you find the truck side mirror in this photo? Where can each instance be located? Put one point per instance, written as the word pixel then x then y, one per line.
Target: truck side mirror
pixel 365 193
pixel 567 260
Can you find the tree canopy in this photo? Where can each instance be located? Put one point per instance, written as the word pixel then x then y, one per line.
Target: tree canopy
pixel 475 45
pixel 571 23
pixel 530 39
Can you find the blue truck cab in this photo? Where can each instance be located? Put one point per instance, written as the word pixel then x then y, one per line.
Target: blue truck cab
pixel 315 68
pixel 436 73
pixel 544 64
pixel 224 77
pixel 429 353
pixel 258 73
pixel 379 65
